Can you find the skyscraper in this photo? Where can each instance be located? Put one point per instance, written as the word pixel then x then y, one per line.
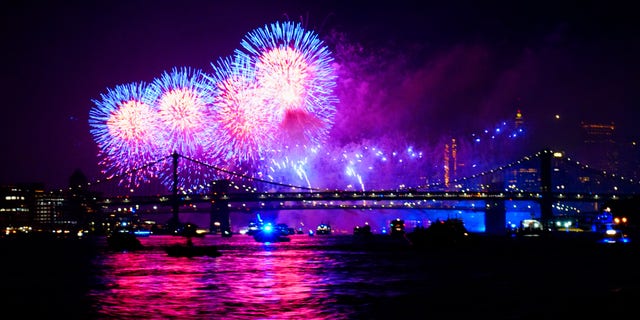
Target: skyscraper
pixel 450 162
pixel 599 146
pixel 518 120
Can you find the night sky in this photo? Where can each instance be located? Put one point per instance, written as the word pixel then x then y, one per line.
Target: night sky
pixel 421 70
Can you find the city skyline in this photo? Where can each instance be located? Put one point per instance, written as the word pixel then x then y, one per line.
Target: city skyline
pixel 423 75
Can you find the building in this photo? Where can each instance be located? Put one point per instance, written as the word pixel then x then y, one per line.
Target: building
pixel 28 207
pixel 450 162
pixel 518 121
pixel 523 179
pixel 599 146
pixel 17 205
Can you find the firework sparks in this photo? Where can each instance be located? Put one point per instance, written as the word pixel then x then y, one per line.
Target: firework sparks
pixel 185 108
pixel 265 112
pixel 246 128
pixel 293 69
pixel 125 127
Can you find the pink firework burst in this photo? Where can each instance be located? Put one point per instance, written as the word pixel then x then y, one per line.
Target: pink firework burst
pixel 125 127
pixel 293 69
pixel 247 128
pixel 185 108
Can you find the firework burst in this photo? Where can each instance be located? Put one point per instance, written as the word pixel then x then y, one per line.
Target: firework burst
pixel 185 108
pixel 246 126
pixel 293 69
pixel 125 128
pixel 270 103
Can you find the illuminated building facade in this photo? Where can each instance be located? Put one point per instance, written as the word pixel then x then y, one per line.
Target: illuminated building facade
pixel 523 179
pixel 599 146
pixel 450 162
pixel 15 206
pixel 519 121
pixel 29 207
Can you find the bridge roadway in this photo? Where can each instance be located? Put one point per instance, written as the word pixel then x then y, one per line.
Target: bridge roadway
pixel 385 195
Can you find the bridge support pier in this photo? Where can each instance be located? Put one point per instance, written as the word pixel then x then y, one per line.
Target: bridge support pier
pixel 546 203
pixel 220 217
pixel 174 222
pixel 495 218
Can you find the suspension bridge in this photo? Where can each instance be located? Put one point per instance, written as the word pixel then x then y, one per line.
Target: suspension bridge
pixel 546 178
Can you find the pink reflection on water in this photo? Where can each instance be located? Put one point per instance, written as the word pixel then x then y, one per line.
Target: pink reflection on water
pixel 250 280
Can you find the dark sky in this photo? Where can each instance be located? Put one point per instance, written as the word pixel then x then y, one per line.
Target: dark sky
pixel 426 69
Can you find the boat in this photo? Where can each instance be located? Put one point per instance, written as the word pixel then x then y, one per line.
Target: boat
pixel 397 228
pixel 124 241
pixel 323 228
pixel 263 236
pixel 191 251
pixel 189 230
pixel 271 233
pixel 364 231
pixel 440 233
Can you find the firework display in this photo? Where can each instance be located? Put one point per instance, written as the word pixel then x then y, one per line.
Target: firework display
pixel 266 112
pixel 274 95
pixel 184 107
pixel 126 129
pixel 293 70
pixel 246 125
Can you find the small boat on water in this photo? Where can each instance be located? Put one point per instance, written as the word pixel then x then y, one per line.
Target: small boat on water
pixel 190 251
pixel 124 241
pixel 323 228
pixel 263 236
pixel 270 233
pixel 364 231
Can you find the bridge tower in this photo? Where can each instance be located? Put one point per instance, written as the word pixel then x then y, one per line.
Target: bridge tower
pixel 495 216
pixel 174 222
pixel 546 203
pixel 220 218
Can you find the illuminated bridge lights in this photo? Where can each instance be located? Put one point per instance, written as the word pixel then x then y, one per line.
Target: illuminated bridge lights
pixel 417 199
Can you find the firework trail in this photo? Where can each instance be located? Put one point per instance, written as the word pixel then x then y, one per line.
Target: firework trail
pixel 184 106
pixel 293 70
pixel 366 167
pixel 125 127
pixel 294 172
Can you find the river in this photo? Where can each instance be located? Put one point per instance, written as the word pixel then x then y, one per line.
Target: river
pixel 318 277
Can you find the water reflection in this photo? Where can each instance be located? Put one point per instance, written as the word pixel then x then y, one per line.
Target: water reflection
pixel 250 280
pixel 336 277
pixel 321 277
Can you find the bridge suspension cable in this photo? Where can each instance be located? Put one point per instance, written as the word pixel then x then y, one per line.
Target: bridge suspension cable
pixel 126 173
pixel 487 172
pixel 246 176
